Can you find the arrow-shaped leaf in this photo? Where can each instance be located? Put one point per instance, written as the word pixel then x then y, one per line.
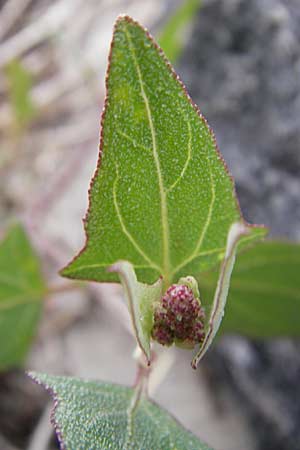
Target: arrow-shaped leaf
pixel 91 415
pixel 161 198
pixel 21 291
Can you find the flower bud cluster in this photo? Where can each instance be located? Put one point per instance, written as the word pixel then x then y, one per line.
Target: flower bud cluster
pixel 179 318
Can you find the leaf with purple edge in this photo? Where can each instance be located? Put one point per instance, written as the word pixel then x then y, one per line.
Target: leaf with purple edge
pixel 90 415
pixel 162 198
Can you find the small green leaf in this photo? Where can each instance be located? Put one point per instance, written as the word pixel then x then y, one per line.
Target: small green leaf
pixel 19 86
pixel 172 38
pixel 21 291
pixel 140 299
pixel 91 415
pixel 237 230
pixel 162 198
pixel 264 296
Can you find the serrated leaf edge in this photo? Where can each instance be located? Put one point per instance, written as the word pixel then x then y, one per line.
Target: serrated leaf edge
pixel 54 396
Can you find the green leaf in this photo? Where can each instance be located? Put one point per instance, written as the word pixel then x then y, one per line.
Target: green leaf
pixel 264 296
pixel 140 299
pixel 19 86
pixel 161 198
pixel 237 230
pixel 21 291
pixel 173 36
pixel 91 415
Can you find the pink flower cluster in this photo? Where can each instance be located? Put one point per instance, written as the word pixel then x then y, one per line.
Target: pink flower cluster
pixel 179 317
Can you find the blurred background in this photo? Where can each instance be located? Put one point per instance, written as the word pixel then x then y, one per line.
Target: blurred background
pixel 240 60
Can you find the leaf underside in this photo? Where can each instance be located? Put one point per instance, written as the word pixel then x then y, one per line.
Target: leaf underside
pixel 93 416
pixel 140 298
pixel 162 198
pixel 264 296
pixel 236 232
pixel 21 291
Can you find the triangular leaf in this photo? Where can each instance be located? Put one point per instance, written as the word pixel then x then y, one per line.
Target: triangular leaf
pixel 264 295
pixel 140 299
pixel 21 290
pixel 161 198
pixel 91 415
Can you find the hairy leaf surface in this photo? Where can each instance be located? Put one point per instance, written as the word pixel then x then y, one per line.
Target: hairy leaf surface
pixel 162 198
pixel 91 415
pixel 21 291
pixel 264 295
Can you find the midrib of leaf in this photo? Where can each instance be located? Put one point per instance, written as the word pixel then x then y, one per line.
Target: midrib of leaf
pixel 135 400
pixel 163 197
pixel 124 229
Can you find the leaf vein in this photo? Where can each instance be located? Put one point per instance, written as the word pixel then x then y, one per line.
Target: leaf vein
pixel 188 159
pixel 133 142
pixel 124 229
pixel 163 200
pixel 195 254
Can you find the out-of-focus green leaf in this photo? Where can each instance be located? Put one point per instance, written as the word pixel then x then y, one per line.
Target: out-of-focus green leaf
pixel 94 416
pixel 19 89
pixel 264 295
pixel 21 291
pixel 173 36
pixel 162 198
